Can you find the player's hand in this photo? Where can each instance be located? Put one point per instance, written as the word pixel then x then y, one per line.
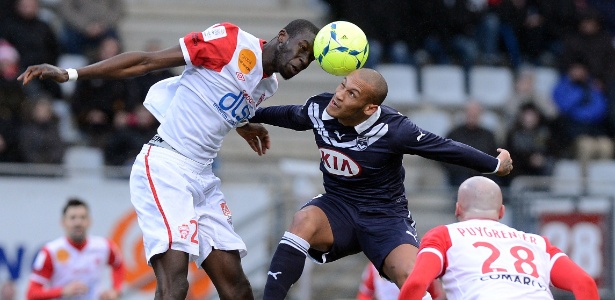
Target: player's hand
pixel 110 295
pixel 257 137
pixel 506 163
pixel 44 71
pixel 73 289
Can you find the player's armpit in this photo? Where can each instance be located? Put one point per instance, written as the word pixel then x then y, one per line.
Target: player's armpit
pixel 567 275
pixel 426 269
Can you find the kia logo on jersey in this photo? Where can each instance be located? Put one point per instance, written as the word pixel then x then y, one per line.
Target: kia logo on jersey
pixel 338 163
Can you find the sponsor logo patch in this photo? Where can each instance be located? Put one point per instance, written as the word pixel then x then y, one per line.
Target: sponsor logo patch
pixel 214 32
pixel 338 163
pixel 246 60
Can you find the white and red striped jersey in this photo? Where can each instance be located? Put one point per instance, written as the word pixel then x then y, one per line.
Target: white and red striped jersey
pixel 222 84
pixel 60 262
pixel 485 259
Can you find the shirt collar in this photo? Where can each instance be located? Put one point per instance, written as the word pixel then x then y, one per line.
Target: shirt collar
pixel 360 127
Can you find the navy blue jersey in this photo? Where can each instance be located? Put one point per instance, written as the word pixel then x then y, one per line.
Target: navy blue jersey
pixel 363 164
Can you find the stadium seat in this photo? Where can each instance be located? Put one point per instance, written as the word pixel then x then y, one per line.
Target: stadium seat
pixel 444 86
pixel 74 61
pixel 84 162
pixel 403 85
pixel 433 120
pixel 491 86
pixel 567 178
pixel 601 177
pixel 545 80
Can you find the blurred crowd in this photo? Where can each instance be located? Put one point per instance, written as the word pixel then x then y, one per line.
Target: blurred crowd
pixel 39 121
pixel 575 37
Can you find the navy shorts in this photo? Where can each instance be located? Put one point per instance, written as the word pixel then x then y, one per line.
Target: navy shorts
pixel 375 233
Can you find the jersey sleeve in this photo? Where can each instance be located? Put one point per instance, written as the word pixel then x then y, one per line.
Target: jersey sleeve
pixel 430 263
pixel 117 265
pixel 366 288
pixel 212 48
pixel 437 241
pixel 411 139
pixel 286 116
pixel 42 270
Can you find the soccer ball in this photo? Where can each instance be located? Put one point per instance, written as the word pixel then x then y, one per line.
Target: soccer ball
pixel 341 47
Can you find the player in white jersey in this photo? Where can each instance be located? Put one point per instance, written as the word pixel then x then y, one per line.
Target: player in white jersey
pixel 181 210
pixel 72 266
pixel 481 258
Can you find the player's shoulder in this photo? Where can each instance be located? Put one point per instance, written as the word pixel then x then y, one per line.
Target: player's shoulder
pixel 322 98
pixel 55 244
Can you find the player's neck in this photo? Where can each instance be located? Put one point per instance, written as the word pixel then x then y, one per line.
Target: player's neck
pixel 77 244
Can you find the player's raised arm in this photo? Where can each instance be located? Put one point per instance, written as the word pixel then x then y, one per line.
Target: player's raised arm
pixel 124 65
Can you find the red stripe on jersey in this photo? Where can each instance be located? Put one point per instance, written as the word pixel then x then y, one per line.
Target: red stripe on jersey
pixel 438 238
pixel 213 54
pixel 151 185
pixel 46 269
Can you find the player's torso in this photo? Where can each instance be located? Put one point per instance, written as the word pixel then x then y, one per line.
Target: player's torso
pixel 233 82
pixel 357 165
pixel 488 259
pixel 85 265
pixel 221 85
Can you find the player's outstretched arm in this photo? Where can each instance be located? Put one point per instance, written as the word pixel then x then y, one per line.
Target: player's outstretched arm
pixel 124 65
pixel 425 271
pixel 567 275
pixel 257 137
pixel 506 163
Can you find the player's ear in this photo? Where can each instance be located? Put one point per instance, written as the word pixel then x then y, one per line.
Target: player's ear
pixel 501 212
pixel 370 109
pixel 282 36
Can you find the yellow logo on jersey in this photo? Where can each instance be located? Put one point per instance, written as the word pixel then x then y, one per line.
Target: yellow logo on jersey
pixel 246 61
pixel 62 255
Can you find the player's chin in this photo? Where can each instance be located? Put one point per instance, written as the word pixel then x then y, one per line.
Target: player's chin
pixel 289 72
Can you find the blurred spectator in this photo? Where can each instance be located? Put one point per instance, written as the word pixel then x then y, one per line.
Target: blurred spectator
pixel 35 41
pixel 526 92
pixel 374 287
pixel 544 28
pixel 583 112
pixel 473 134
pixel 607 9
pixel 73 266
pixel 95 102
pixel 529 140
pixel 88 22
pixel 131 131
pixel 453 27
pixel 504 21
pixel 593 45
pixel 139 86
pixel 7 290
pixel 388 25
pixel 11 99
pixel 39 137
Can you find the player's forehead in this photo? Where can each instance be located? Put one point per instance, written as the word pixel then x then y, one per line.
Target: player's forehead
pixel 77 210
pixel 355 82
pixel 304 36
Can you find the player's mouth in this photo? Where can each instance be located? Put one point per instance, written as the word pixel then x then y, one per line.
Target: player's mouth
pixel 334 103
pixel 294 69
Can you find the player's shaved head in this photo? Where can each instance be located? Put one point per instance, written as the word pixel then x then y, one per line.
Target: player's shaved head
pixel 479 197
pixel 378 86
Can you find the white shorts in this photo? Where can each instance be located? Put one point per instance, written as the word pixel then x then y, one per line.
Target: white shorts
pixel 180 206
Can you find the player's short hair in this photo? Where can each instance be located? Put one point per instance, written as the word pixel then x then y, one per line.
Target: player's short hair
pixel 72 202
pixel 299 26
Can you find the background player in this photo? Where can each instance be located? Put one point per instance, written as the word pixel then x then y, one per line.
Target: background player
pixel 481 258
pixel 181 210
pixel 362 144
pixel 72 266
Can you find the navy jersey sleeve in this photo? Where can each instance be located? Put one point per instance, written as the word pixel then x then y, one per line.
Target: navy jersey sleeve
pixel 411 139
pixel 287 116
